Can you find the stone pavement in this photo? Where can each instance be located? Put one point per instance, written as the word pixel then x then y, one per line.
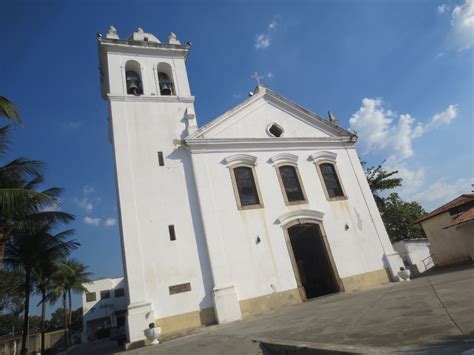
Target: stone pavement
pixel 432 314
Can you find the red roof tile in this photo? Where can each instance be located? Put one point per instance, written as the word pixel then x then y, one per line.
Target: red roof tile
pixel 464 217
pixel 458 201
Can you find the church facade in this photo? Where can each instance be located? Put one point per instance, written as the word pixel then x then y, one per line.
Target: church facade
pixel 264 206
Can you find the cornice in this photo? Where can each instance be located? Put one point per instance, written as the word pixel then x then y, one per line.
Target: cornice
pixel 202 145
pixel 145 98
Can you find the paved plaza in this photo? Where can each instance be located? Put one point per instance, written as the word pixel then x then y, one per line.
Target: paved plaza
pixel 432 314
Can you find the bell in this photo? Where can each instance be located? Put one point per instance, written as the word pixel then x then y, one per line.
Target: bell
pixel 165 89
pixel 133 84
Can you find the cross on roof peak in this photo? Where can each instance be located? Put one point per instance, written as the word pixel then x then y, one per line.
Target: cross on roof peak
pixel 257 77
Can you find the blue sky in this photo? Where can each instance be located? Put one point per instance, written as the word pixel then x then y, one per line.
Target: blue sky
pixel 400 73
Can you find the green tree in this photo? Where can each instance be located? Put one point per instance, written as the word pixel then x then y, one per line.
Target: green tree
pixel 11 295
pixel 43 276
pixel 399 218
pixel 70 278
pixel 25 251
pixel 10 325
pixel 381 180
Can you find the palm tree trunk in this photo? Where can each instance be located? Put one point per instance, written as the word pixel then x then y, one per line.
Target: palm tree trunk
pixel 43 317
pixel 25 338
pixel 70 315
pixel 66 333
pixel 3 242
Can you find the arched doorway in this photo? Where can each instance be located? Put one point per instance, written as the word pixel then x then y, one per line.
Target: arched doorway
pixel 311 260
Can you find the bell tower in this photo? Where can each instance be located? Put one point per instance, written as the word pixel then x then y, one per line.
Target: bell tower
pixel 151 110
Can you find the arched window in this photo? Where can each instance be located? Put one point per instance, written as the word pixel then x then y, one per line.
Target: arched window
pixel 246 186
pixel 331 180
pixel 133 79
pixel 165 79
pixel 291 184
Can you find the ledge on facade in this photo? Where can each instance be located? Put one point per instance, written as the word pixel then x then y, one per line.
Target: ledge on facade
pixel 144 98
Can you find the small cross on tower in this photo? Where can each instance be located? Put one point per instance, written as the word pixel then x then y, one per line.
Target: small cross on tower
pixel 257 77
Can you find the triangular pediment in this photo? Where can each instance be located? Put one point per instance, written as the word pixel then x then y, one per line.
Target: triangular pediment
pixel 253 118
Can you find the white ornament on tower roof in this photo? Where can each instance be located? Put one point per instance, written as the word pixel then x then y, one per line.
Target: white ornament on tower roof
pixel 172 38
pixel 112 33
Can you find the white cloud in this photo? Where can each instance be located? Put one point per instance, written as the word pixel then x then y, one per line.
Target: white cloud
pixel 462 22
pixel 74 124
pixel 383 130
pixel 264 39
pixel 441 9
pixel 109 222
pixel 270 75
pixel 92 221
pixel 441 192
pixel 86 201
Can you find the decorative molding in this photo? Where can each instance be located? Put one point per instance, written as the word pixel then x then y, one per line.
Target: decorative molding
pixel 212 145
pixel 240 159
pixel 283 158
pixel 147 98
pixel 292 216
pixel 324 155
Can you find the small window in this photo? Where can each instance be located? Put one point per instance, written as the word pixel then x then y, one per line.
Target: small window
pixel 331 180
pixel 246 187
pixel 172 232
pixel 161 161
pixel 291 183
pixel 119 292
pixel 275 130
pixel 104 294
pixel 90 297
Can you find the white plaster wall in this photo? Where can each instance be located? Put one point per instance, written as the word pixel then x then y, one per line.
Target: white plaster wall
pixel 161 196
pixel 449 245
pixel 152 197
pixel 148 63
pixel 259 117
pixel 415 251
pixel 259 269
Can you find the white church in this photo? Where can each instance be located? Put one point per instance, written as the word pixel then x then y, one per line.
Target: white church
pixel 266 205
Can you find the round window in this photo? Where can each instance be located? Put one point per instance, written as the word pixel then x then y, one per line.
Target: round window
pixel 275 130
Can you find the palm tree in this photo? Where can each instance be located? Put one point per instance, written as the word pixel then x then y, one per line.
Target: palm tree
pixel 17 196
pixel 26 207
pixel 25 252
pixel 70 278
pixel 43 276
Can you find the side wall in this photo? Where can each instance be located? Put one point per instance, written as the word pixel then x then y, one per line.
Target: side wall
pixel 450 245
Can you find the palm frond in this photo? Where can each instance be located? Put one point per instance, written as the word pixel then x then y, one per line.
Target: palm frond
pixel 16 200
pixel 21 167
pixel 4 139
pixel 9 111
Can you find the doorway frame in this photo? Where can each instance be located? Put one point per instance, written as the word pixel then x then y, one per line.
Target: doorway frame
pixel 327 252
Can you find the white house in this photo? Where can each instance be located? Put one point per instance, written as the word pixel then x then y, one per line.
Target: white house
pixel 103 306
pixel 264 206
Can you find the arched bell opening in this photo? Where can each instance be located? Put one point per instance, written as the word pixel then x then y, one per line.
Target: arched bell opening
pixel 133 79
pixel 165 79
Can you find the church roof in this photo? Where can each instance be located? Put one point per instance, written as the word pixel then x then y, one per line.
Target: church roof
pixel 263 92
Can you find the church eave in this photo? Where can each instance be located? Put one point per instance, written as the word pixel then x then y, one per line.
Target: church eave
pixel 266 144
